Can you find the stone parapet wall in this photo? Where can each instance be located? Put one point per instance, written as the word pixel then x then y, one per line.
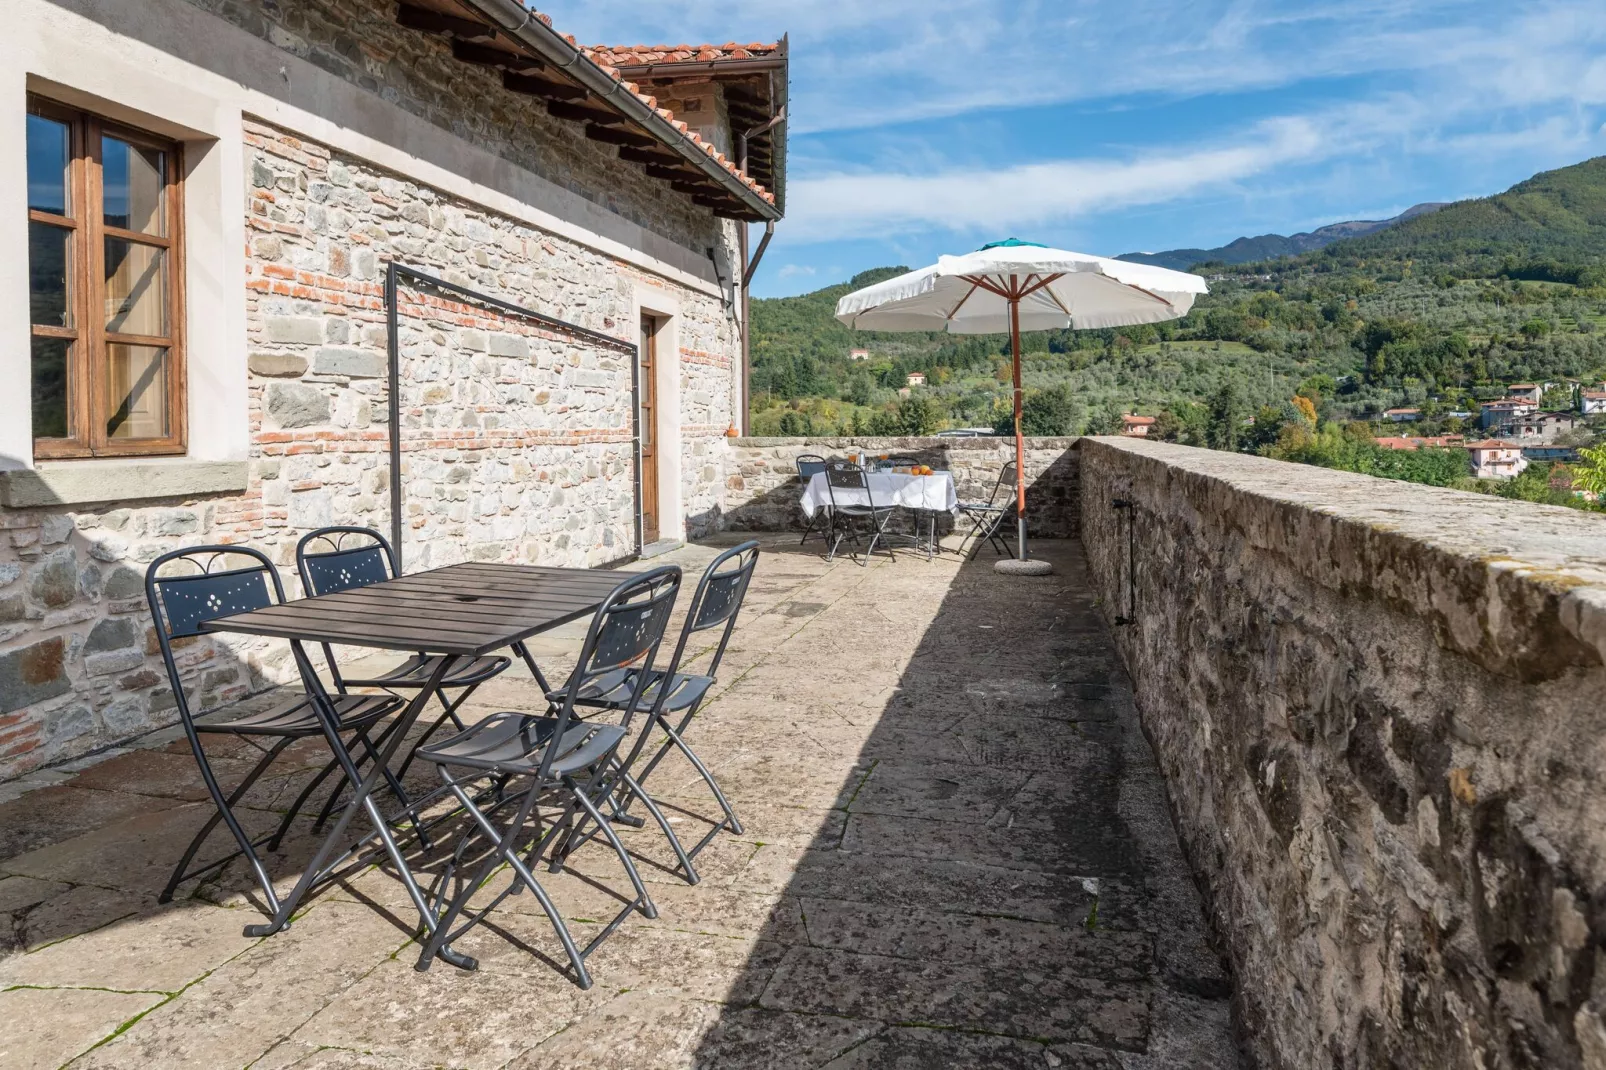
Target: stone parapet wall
pixel 1378 708
pixel 762 488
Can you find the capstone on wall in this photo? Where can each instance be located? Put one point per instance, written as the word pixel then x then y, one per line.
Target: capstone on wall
pixel 1378 710
pixel 517 439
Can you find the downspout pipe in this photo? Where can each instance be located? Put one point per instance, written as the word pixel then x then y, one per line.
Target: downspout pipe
pixel 520 23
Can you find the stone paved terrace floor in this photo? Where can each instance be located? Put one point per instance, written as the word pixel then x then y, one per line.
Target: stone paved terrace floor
pixel 957 854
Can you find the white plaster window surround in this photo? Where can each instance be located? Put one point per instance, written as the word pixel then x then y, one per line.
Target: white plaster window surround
pixel 81 65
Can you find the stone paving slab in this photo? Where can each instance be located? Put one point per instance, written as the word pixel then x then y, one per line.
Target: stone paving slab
pixel 956 853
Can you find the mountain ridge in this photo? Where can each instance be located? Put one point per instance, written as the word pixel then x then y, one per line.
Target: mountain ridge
pixel 1248 250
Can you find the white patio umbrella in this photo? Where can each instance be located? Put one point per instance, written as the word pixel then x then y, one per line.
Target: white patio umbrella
pixel 1016 285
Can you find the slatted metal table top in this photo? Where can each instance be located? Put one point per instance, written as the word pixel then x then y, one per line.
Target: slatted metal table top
pixel 466 609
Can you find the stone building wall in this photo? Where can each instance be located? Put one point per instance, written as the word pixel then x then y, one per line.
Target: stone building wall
pixel 1378 710
pixel 517 440
pixel 359 41
pixel 762 488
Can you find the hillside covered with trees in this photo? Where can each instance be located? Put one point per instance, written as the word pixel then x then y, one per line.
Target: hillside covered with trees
pixel 1436 312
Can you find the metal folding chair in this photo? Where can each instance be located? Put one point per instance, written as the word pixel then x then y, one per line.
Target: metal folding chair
pixel 808 466
pixel 716 603
pixel 339 558
pixel 197 591
pixel 986 517
pixel 558 758
pixel 846 519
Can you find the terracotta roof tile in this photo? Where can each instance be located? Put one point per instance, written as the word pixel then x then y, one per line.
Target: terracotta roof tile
pixel 641 55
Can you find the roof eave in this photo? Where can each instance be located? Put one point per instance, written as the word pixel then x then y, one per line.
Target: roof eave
pixel 521 24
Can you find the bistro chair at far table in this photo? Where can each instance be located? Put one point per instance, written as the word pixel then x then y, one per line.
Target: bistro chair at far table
pixel 850 515
pixel 986 517
pixel 553 758
pixel 340 558
pixel 810 465
pixel 187 588
pixel 715 604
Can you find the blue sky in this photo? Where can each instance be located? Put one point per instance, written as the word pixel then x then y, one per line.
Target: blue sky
pixel 920 127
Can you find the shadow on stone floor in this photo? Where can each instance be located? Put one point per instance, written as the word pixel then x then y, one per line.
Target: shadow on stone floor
pixel 957 854
pixel 997 882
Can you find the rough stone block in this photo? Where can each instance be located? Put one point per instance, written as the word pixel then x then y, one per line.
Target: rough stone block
pixel 113 661
pixel 277 365
pixel 113 633
pixel 294 330
pixel 124 582
pixel 33 673
pixel 55 580
pixel 296 405
pixel 352 363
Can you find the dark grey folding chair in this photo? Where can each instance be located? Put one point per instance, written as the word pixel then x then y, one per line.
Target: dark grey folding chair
pixel 554 757
pixel 808 466
pixel 716 603
pixel 847 518
pixel 339 558
pixel 198 590
pixel 986 517
pixel 902 460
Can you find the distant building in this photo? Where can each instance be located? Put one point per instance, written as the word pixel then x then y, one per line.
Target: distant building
pixel 903 391
pixel 858 354
pixel 1527 391
pixel 1495 413
pixel 1536 454
pixel 1421 442
pixel 1538 427
pixel 1494 459
pixel 1592 402
pixel 1136 426
pixel 917 378
pixel 1402 416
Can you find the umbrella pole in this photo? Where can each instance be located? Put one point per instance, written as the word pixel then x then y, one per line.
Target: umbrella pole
pixel 1020 440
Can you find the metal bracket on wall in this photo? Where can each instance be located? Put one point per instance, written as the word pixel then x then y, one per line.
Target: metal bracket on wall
pixel 394 273
pixel 1131 559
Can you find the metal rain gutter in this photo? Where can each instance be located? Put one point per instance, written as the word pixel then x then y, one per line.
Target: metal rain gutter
pixel 521 24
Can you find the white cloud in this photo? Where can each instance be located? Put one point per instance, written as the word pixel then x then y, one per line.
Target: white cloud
pixel 788 271
pixel 1007 199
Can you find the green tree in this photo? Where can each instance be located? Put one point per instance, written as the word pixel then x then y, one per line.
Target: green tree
pixel 1054 411
pixel 1106 420
pixel 1225 428
pixel 920 414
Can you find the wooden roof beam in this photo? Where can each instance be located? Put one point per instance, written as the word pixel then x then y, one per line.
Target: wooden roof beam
pixel 585 113
pixel 613 136
pixel 487 56
pixel 530 85
pixel 427 20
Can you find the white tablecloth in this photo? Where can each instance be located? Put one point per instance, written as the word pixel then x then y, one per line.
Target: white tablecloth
pixel 888 489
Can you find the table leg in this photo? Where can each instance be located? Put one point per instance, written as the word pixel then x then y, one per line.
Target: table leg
pixel 362 798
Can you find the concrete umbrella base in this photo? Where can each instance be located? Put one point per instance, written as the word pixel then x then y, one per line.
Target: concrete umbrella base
pixel 1009 566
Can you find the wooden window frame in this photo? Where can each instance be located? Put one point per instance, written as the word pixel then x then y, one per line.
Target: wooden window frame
pixel 89 402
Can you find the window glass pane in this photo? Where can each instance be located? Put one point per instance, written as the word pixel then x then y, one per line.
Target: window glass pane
pixel 132 184
pixel 136 288
pixel 137 389
pixel 50 369
pixel 49 148
pixel 49 249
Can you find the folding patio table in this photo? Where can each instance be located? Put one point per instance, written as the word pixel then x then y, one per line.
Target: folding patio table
pixel 458 611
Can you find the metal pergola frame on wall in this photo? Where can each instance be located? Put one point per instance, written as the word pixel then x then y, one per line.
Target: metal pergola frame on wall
pixel 394 273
